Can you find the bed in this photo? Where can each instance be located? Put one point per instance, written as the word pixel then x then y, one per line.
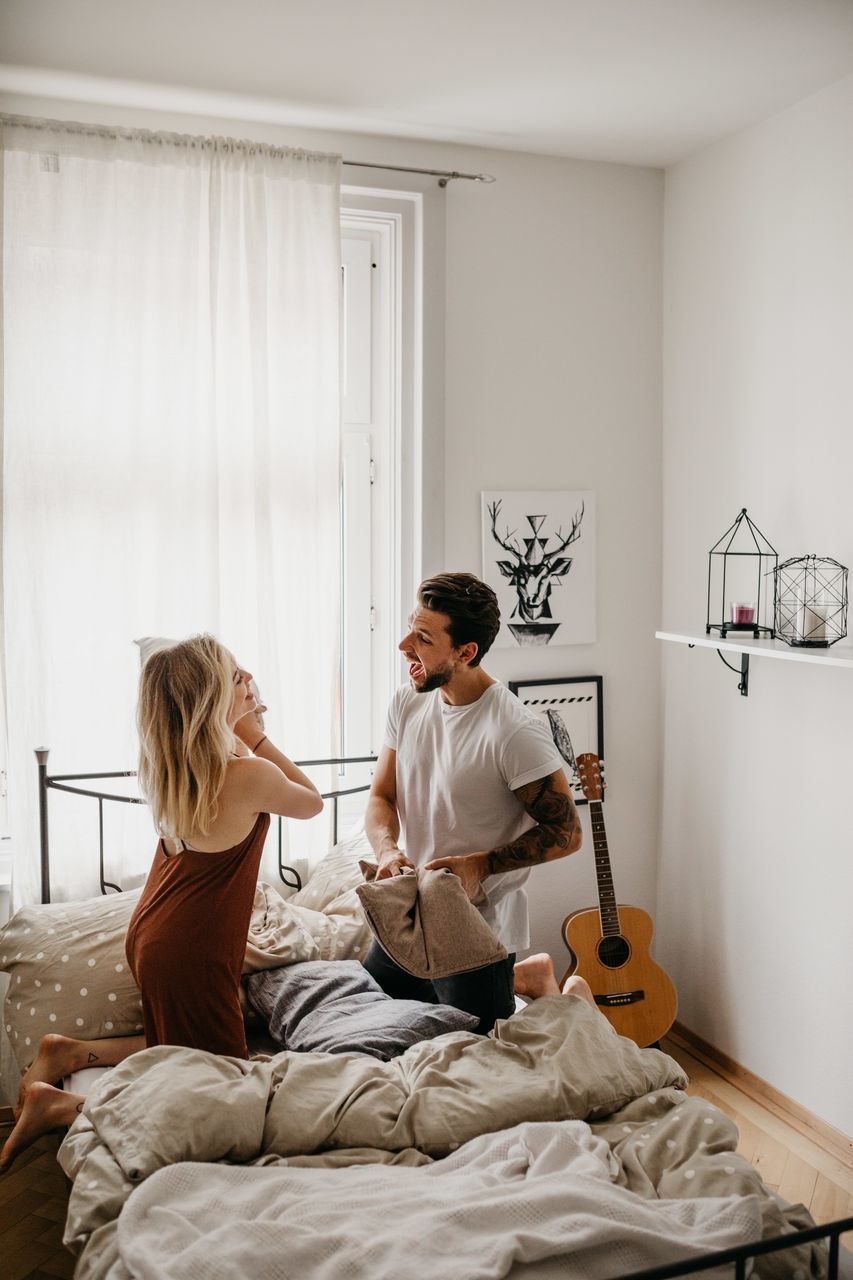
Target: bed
pixel 552 1147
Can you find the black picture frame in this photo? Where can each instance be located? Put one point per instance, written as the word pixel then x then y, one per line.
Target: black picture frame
pixel 576 719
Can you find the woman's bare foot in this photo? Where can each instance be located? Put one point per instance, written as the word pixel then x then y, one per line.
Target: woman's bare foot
pixel 59 1056
pixel 44 1108
pixel 578 986
pixel 535 977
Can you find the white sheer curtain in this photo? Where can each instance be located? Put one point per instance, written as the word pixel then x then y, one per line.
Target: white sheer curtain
pixel 170 447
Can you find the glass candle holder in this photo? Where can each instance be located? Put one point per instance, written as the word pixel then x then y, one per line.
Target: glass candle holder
pixel 741 615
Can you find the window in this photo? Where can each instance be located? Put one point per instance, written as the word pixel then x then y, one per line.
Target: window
pixel 381 450
pixel 379 420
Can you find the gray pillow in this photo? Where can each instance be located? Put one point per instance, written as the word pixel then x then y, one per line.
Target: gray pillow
pixel 335 1006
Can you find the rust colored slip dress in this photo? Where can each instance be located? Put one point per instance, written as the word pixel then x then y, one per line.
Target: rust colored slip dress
pixel 186 942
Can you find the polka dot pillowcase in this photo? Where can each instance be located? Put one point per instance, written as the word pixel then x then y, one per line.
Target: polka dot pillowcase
pixel 68 973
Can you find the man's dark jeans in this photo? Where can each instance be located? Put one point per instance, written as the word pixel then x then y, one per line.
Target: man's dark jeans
pixel 486 992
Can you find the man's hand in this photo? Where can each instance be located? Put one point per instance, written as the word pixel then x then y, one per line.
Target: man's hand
pixel 381 820
pixel 392 864
pixel 470 869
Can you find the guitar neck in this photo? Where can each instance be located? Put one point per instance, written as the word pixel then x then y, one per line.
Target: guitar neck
pixel 604 877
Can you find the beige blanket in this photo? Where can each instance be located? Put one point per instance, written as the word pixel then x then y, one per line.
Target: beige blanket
pixel 513 1202
pixel 558 1060
pixel 426 923
pixel 285 931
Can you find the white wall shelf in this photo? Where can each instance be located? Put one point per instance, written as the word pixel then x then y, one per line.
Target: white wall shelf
pixel 837 655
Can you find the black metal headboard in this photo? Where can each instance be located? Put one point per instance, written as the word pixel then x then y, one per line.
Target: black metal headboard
pixel 65 782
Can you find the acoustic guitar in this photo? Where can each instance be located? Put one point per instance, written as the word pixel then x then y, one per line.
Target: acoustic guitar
pixel 610 944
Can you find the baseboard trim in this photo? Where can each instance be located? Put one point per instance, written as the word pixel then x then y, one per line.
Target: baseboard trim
pixel 833 1141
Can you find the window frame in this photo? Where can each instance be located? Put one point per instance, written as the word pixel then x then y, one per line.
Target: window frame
pixel 383 434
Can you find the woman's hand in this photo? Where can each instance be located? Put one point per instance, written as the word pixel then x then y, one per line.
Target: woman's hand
pixel 250 728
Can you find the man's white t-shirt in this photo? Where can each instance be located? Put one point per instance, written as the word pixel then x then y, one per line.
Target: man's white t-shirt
pixel 456 770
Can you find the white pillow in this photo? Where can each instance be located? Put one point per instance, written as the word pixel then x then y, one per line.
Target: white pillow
pixel 335 874
pixel 151 644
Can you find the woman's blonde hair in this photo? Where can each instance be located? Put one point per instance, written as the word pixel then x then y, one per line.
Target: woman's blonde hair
pixel 185 694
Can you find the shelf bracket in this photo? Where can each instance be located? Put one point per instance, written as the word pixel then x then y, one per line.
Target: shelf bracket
pixel 743 673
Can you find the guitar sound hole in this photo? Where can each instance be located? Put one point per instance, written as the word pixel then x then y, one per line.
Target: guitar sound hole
pixel 613 952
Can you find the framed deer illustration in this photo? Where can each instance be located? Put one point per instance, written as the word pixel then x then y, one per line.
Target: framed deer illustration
pixel 539 556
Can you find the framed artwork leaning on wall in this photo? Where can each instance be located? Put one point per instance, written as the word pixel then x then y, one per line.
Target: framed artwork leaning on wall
pixel 572 708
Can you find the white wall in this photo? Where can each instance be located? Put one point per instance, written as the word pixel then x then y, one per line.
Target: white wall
pixel 553 382
pixel 550 348
pixel 756 873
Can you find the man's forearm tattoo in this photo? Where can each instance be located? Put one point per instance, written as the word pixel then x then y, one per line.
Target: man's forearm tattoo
pixel 558 827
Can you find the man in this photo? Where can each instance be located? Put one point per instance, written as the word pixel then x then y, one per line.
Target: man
pixel 471 781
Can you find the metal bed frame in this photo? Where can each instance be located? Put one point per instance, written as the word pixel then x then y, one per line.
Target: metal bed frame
pixel 738 1257
pixel 746 1252
pixel 65 782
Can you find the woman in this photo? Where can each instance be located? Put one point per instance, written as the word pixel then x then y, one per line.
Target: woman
pixel 212 778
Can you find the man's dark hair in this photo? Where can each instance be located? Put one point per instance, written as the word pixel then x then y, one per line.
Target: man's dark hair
pixel 471 606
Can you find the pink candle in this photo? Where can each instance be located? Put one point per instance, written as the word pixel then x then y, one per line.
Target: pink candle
pixel 743 615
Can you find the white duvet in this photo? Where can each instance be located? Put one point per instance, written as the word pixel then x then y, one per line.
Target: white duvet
pixel 505 1204
pixel 551 1148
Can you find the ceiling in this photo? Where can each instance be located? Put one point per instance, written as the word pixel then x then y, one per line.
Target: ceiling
pixel 633 81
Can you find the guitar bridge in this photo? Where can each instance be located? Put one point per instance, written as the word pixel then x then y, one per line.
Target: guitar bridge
pixel 620 997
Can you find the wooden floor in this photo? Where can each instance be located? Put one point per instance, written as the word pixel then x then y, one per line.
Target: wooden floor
pixel 33 1199
pixel 33 1196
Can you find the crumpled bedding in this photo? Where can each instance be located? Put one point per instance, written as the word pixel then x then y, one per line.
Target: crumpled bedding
pixel 317 923
pixel 556 1061
pixel 527 1195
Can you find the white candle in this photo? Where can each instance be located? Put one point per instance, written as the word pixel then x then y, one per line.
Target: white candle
pixel 811 621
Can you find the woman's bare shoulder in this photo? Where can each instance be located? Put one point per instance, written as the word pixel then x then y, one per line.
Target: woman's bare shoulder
pixel 242 770
pixel 245 775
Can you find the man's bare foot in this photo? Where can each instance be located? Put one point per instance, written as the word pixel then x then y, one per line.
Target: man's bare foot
pixel 44 1108
pixel 535 977
pixel 578 986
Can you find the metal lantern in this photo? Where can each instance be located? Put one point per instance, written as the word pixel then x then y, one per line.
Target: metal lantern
pixel 737 566
pixel 810 601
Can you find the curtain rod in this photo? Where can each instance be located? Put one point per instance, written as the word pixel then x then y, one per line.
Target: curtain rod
pixel 443 175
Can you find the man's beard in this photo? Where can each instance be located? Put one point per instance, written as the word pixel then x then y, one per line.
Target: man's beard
pixel 437 679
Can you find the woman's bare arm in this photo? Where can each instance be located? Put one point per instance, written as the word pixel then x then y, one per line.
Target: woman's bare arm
pixel 271 779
